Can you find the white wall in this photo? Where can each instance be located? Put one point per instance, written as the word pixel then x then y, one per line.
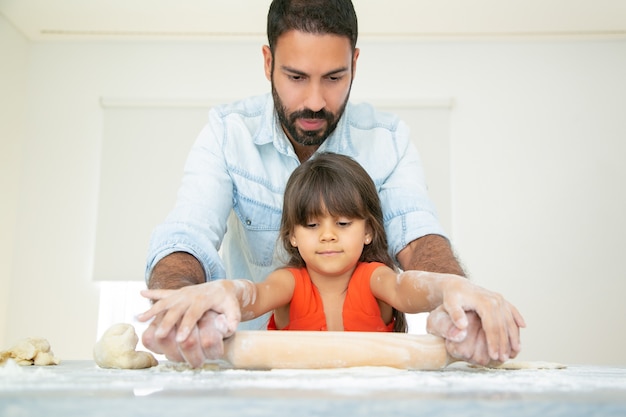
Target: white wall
pixel 538 134
pixel 537 189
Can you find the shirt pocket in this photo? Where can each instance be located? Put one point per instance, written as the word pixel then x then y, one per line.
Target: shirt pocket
pixel 260 224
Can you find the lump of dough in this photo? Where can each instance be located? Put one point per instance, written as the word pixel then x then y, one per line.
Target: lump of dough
pixel 116 349
pixel 31 351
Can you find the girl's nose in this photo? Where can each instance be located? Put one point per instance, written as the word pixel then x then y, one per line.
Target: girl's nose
pixel 327 234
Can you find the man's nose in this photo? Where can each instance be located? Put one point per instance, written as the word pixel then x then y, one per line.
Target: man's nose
pixel 315 97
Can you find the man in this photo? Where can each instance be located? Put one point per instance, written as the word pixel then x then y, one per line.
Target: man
pixel 237 170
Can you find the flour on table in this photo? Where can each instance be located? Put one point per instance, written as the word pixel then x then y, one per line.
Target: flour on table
pixel 184 367
pixel 30 351
pixel 531 365
pixel 116 349
pixel 516 365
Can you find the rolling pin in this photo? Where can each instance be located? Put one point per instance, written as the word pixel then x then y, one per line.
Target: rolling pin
pixel 321 349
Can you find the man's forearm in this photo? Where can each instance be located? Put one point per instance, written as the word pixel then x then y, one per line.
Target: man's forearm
pixel 176 270
pixel 430 253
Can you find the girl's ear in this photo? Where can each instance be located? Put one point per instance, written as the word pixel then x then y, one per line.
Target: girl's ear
pixel 368 235
pixel 292 239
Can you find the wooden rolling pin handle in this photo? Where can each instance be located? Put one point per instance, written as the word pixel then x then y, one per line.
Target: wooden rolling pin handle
pixel 319 350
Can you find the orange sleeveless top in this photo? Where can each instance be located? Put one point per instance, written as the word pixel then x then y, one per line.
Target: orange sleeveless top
pixel 360 309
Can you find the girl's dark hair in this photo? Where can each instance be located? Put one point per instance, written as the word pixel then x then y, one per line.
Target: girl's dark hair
pixel 337 185
pixel 335 17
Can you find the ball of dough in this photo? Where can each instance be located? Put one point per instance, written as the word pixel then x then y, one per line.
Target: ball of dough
pixel 116 349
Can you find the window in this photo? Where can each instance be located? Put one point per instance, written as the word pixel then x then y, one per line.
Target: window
pixel 144 148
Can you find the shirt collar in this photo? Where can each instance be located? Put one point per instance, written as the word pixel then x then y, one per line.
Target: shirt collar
pixel 340 141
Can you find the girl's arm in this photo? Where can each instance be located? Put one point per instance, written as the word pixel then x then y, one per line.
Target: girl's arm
pixel 409 291
pixel 274 292
pixel 418 291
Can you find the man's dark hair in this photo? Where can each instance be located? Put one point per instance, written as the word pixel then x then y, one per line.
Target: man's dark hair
pixel 335 17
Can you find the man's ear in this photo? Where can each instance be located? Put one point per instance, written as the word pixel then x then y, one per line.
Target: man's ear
pixel 267 62
pixel 355 57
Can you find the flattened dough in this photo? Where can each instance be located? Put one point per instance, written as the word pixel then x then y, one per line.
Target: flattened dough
pixel 30 351
pixel 116 349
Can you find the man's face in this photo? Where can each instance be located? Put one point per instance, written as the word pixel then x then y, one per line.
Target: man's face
pixel 311 76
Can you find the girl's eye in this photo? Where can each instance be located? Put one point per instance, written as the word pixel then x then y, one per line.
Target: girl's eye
pixel 311 225
pixel 344 223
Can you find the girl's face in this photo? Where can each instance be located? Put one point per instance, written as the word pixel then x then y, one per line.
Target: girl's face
pixel 331 246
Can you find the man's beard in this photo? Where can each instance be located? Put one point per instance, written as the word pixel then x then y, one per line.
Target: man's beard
pixel 307 137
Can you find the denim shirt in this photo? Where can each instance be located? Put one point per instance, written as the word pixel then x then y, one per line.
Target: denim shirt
pixel 229 205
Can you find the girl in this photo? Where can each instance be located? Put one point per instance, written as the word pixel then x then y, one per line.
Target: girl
pixel 332 230
pixel 339 275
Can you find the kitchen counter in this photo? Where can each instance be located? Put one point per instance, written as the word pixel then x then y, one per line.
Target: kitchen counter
pixel 80 388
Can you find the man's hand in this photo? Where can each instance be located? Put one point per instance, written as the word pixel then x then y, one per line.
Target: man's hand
pixel 204 343
pixel 499 320
pixel 190 323
pixel 468 344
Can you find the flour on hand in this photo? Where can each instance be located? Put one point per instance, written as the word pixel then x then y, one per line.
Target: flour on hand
pixel 116 349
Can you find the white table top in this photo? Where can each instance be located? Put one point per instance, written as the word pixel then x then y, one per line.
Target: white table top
pixel 80 388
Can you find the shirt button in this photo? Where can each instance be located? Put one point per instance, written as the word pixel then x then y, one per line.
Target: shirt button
pixel 248 222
